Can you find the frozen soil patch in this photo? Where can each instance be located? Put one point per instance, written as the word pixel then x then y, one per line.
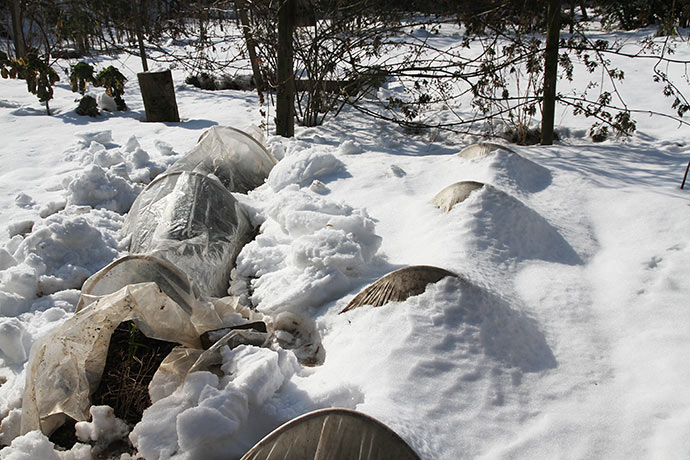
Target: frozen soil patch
pixel 132 360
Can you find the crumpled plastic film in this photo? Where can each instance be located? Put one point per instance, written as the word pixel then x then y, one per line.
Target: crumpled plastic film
pixel 192 221
pixel 66 365
pixel 185 231
pixel 238 160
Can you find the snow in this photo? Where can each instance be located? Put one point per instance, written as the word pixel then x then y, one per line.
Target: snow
pixel 566 335
pixel 203 417
pixel 35 445
pixel 104 427
pixel 304 167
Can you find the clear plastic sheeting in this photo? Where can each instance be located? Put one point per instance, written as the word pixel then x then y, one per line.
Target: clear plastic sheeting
pixel 238 160
pixel 185 231
pixel 332 434
pixel 194 222
pixel 134 269
pixel 66 365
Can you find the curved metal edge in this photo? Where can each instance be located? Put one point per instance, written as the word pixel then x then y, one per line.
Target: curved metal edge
pixel 322 413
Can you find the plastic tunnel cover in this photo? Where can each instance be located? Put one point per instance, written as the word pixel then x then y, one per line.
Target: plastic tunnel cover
pixel 454 194
pixel 482 149
pixel 193 222
pixel 332 434
pixel 238 160
pixel 398 286
pixel 133 269
pixel 65 365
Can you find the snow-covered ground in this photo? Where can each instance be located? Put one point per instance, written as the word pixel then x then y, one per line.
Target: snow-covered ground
pixel 571 339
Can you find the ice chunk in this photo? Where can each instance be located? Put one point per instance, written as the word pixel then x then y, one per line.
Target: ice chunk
pixel 319 187
pixel 255 371
pixel 164 148
pixel 349 147
pixel 12 304
pixel 15 341
pixel 20 280
pixel 10 427
pixel 52 207
pixel 302 168
pixel 31 446
pixel 6 259
pixel 23 200
pixel 103 428
pixel 396 171
pixel 22 228
pixel 131 145
pixel 107 158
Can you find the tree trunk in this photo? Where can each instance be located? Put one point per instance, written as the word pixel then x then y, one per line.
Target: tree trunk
pixel 584 10
pixel 553 27
pixel 158 93
pixel 18 29
pixel 251 47
pixel 285 97
pixel 140 34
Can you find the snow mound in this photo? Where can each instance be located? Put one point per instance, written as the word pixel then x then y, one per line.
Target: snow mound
pixel 514 171
pixel 100 188
pixel 350 147
pixel 303 167
pixel 482 149
pixel 455 342
pixel 454 194
pixel 60 253
pixel 128 161
pixel 308 249
pixel 506 229
pixel 455 317
pixel 35 445
pixel 204 416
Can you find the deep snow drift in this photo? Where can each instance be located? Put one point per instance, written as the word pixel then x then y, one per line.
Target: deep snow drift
pixel 568 337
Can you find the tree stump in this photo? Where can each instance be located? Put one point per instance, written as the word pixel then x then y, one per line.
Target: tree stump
pixel 158 93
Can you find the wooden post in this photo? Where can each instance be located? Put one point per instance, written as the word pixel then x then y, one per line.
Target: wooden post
pixel 553 29
pixel 285 97
pixel 158 93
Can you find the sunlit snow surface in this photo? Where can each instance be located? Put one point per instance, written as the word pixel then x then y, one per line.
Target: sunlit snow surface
pixel 571 339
